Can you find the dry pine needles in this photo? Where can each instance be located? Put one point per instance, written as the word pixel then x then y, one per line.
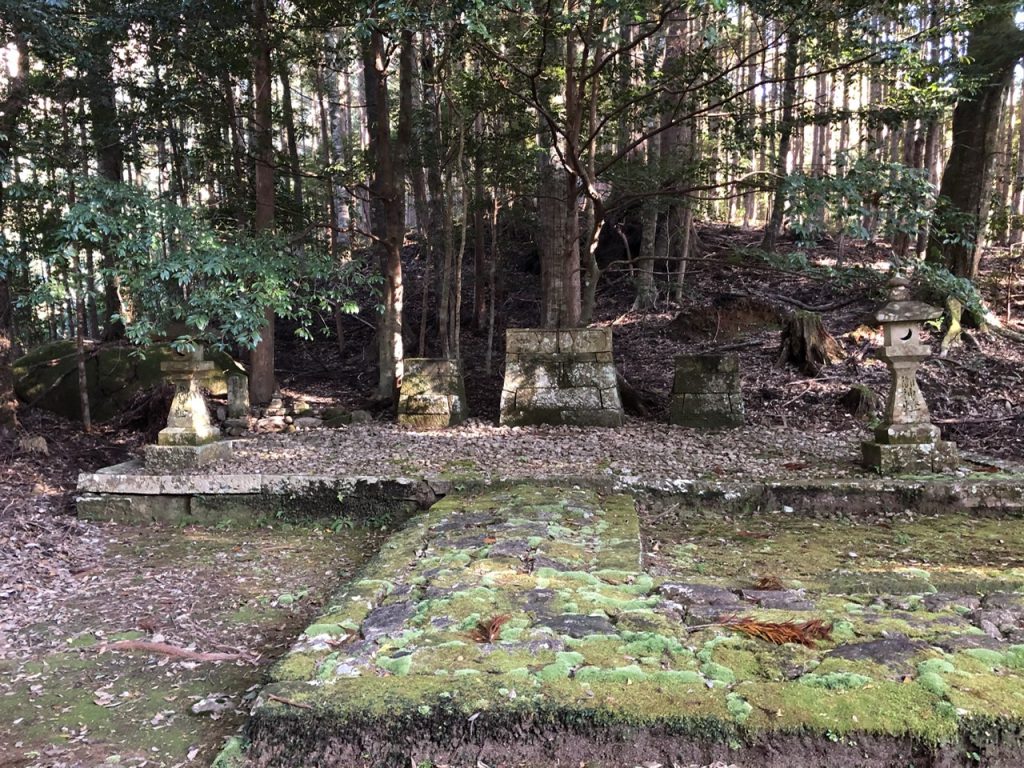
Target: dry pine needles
pixel 805 633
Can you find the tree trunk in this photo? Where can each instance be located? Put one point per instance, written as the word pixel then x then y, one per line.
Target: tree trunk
pixel 387 208
pixel 288 115
pixel 106 136
pixel 261 378
pixel 771 231
pixel 994 46
pixel 11 109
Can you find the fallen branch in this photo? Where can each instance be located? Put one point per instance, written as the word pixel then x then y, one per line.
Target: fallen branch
pixel 167 649
pixel 800 304
pixel 980 420
pixel 289 702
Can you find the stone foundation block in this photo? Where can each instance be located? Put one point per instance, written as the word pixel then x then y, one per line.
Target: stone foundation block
pixel 706 392
pixel 433 395
pixel 133 509
pixel 909 458
pixel 706 411
pixel 560 377
pixel 175 458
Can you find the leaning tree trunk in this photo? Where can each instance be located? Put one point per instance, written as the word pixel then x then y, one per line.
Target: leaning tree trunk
pixel 807 345
pixel 994 46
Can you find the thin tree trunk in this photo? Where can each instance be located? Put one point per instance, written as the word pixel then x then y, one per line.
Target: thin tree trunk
pixel 771 232
pixel 288 116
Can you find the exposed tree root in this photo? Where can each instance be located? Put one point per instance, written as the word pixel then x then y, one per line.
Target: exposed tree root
pixel 166 649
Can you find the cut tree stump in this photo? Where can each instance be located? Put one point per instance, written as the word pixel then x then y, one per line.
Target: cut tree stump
pixel 807 345
pixel 860 402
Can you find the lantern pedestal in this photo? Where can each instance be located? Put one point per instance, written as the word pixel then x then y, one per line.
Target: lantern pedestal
pixel 189 440
pixel 907 442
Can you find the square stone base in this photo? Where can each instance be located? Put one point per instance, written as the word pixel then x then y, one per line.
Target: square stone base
pixel 706 410
pixel 910 458
pixel 560 377
pixel 176 458
pixel 433 395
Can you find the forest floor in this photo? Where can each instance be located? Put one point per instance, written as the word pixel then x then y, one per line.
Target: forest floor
pixel 73 592
pixel 736 302
pixel 67 587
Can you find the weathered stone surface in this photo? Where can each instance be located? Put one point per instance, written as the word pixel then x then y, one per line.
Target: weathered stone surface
pixel 699 594
pixel 706 392
pixel 560 377
pixel 781 599
pixel 177 458
pixel 133 509
pixel 906 441
pixel 912 458
pixel 238 396
pixel 940 601
pixel 433 395
pixel 578 625
pixel 386 620
pixel 892 652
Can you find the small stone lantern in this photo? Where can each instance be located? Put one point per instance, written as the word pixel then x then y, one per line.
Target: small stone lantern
pixel 189 440
pixel 906 441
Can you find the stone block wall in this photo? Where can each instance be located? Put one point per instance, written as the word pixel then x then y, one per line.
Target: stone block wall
pixel 706 392
pixel 433 395
pixel 558 377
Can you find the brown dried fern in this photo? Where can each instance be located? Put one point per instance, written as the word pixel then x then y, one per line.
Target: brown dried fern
pixel 805 633
pixel 489 630
pixel 769 582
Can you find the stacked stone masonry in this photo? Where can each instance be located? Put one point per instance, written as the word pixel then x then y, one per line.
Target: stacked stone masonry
pixel 560 377
pixel 706 392
pixel 433 395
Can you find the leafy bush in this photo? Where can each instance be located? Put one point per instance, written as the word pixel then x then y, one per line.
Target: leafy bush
pixel 176 270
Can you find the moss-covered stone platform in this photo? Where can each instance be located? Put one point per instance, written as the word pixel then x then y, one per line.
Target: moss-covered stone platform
pixel 609 655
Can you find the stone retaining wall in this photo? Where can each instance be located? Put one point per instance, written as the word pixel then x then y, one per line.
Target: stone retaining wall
pixel 560 377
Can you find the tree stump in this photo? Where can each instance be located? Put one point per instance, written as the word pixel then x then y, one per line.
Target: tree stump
pixel 807 345
pixel 860 402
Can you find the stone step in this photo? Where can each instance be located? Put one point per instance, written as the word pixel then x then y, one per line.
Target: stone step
pixel 516 627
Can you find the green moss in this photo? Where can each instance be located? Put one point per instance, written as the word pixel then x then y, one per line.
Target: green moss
pixel 565 662
pixel 738 707
pixel 988 658
pixel 395 665
pixel 232 755
pixel 334 630
pixel 835 681
pixel 630 673
pixel 933 682
pixel 717 672
pixel 1015 657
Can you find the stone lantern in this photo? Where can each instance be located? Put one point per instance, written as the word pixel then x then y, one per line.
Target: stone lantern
pixel 906 441
pixel 189 440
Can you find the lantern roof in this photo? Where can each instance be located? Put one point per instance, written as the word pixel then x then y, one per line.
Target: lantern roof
pixel 903 309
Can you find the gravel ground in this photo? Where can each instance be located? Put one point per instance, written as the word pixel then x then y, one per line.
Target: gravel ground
pixel 639 449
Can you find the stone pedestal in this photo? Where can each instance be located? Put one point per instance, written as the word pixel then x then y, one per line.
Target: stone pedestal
pixel 906 441
pixel 433 395
pixel 560 377
pixel 706 392
pixel 189 439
